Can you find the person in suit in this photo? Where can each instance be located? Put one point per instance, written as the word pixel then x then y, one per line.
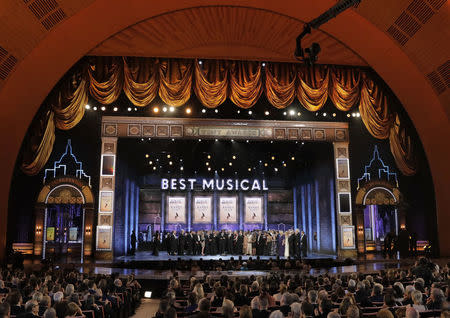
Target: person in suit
pixel 133 243
pixel 181 243
pixel 156 242
pixel 303 244
pixel 291 241
pixel 173 243
pixel 297 243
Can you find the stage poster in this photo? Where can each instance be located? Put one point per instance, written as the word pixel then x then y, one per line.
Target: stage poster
pixel 342 169
pixel 202 210
pixel 176 210
pixel 50 234
pixel 253 210
pixel 108 165
pixel 106 201
pixel 104 238
pixel 348 237
pixel 228 210
pixel 73 234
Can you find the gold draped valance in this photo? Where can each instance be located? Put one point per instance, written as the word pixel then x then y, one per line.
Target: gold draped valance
pixel 213 81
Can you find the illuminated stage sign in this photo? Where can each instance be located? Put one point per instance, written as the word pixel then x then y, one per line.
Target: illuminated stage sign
pixel 215 184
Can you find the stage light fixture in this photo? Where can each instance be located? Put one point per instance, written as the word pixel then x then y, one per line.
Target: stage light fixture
pixel 266 113
pixel 95 108
pixel 334 115
pixel 207 163
pixel 103 108
pixel 292 158
pixel 324 114
pixel 209 156
pixel 216 110
pixel 284 164
pixel 284 113
pixel 348 115
pixel 216 139
pixel 209 168
pixel 266 164
pixel 263 64
pixel 171 109
pixel 232 140
pixel 249 169
pixel 247 141
pixel 303 142
pixel 188 111
pixel 353 115
pixel 129 109
pixel 273 158
pixel 135 109
pixel 223 169
pixel 147 155
pixel 250 112
pixel 271 141
pixel 234 157
pixel 238 111
pixel 170 163
pixel 299 114
pixel 276 169
pixel 168 156
pixel 181 168
pixel 149 139
pixel 142 139
pixel 154 168
pixel 150 162
pixel 230 164
pixel 203 110
pixel 148 294
pixel 292 112
pixel 87 106
pixel 155 109
pixel 115 109
pixel 173 139
pixel 200 62
pixel 199 140
pixel 358 115
pixel 164 109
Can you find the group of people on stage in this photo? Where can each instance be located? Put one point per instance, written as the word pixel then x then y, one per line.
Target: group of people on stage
pixel 291 243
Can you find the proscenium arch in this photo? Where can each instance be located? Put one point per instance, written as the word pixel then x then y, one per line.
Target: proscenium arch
pixel 39 71
pixel 81 186
pixel 378 188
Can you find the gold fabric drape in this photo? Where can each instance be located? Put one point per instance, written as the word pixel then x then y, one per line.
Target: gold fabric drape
pixel 70 100
pixel 175 81
pixel 141 80
pixel 312 91
pixel 211 82
pixel 245 84
pixel 280 84
pixel 40 143
pixel 374 109
pixel 402 148
pixel 344 90
pixel 106 79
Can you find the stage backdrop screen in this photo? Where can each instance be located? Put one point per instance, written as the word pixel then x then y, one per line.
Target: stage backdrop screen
pixel 228 210
pixel 253 210
pixel 176 210
pixel 202 209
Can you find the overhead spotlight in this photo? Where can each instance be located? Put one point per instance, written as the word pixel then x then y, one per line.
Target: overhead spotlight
pixel 284 165
pixel 292 158
pixel 234 157
pixel 271 141
pixel 164 109
pixel 170 162
pixel 250 112
pixel 316 113
pixel 171 109
pixel 209 156
pixel 292 112
pixel 207 163
pixel 238 111
pixel 296 142
pixel 181 168
pixel 353 115
pixel 149 139
pixel 303 142
pixel 358 115
pixel 334 115
pixel 266 113
pixel 209 168
pixel 154 167
pixel 168 156
pixel 203 110
pixel 188 111
pixel 223 169
pixel 199 140
pixel 276 169
pixel 266 164
pixel 249 169
pixel 129 109
pixel 142 139
pixel 216 110
pixel 216 139
pixel 156 109
pixel 273 158
pixel 103 108
pixel 135 109
pixel 284 113
pixel 150 162
pixel 324 114
pixel 247 141
pixel 95 108
pixel 299 114
pixel 87 106
pixel 146 155
pixel 200 62
pixel 232 140
pixel 263 64
pixel 230 163
pixel 348 115
pixel 173 139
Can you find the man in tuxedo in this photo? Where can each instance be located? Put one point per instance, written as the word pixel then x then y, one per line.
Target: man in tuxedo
pixel 303 244
pixel 181 243
pixel 297 244
pixel 291 243
pixel 222 243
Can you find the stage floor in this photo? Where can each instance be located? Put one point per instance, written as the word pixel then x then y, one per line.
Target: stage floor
pixel 163 256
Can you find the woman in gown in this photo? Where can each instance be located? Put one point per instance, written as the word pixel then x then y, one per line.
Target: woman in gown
pixel 156 242
pixel 280 241
pixel 286 244
pixel 249 243
pixel 202 241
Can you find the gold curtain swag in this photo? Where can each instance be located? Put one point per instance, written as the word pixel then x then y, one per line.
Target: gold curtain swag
pixel 243 82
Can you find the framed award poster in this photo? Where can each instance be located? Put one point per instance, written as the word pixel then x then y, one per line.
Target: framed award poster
pixel 50 234
pixel 342 169
pixel 176 209
pixel 108 165
pixel 202 209
pixel 348 236
pixel 228 210
pixel 104 238
pixel 106 201
pixel 253 210
pixel 73 234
